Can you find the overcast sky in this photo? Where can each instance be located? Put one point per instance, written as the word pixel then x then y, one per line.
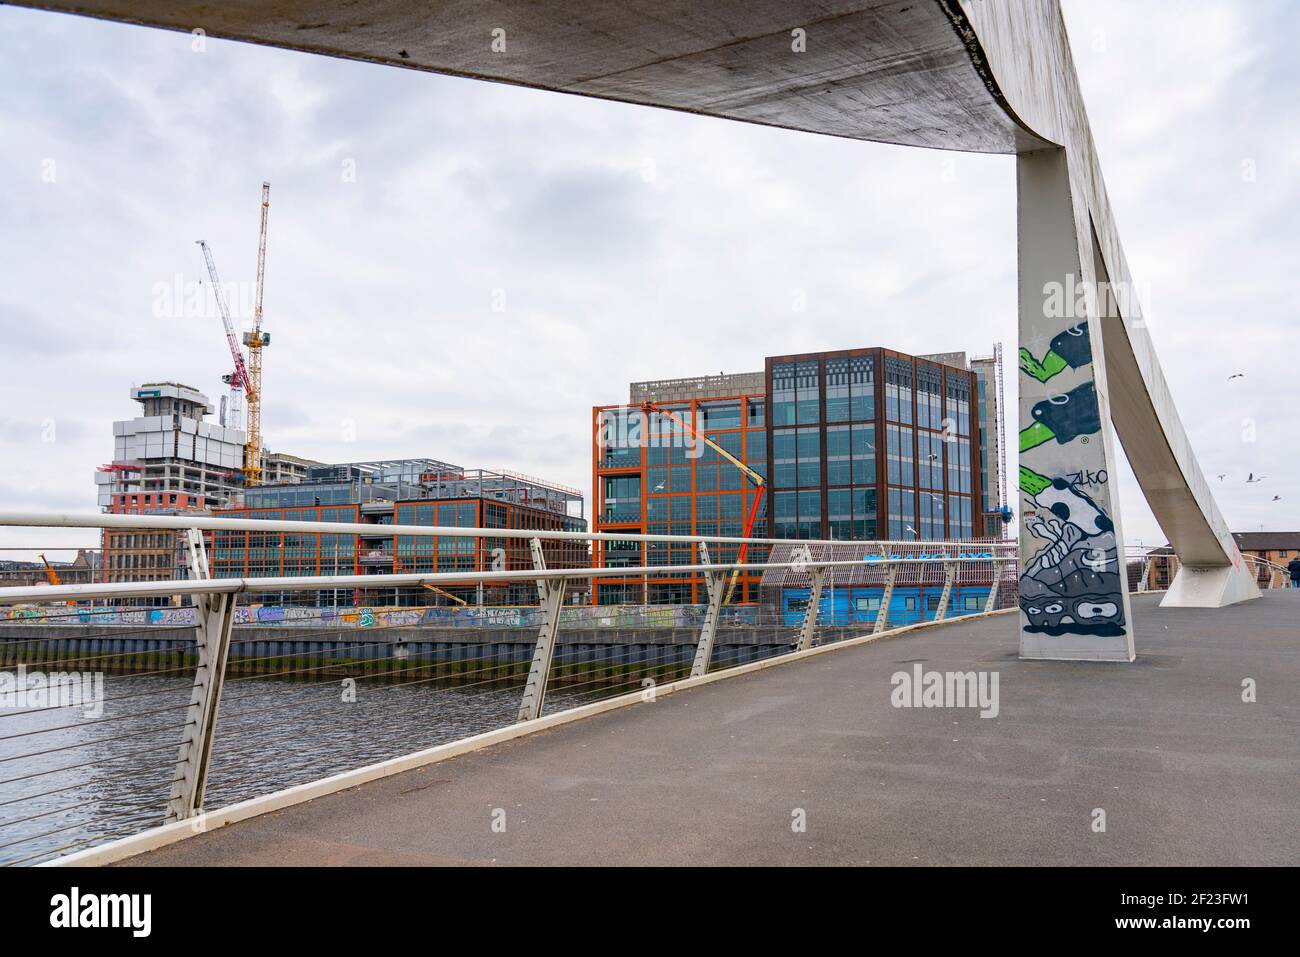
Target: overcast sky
pixel 625 243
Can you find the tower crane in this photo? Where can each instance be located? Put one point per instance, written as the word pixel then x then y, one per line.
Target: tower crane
pixel 1002 431
pixel 255 340
pixel 238 379
pixel 760 486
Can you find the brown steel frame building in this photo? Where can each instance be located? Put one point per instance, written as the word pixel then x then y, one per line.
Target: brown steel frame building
pixel 677 495
pixel 401 492
pixel 751 425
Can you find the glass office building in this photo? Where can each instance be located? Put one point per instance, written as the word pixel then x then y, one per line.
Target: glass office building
pixel 650 476
pixel 857 445
pixel 379 495
pixel 872 444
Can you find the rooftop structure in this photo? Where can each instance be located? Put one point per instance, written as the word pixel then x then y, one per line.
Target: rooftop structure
pixel 170 449
pixel 382 493
pixel 392 480
pixel 696 387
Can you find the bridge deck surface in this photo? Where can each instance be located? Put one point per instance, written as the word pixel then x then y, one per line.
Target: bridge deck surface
pixel 1186 772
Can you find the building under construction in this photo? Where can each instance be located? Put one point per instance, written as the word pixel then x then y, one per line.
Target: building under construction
pixel 172 460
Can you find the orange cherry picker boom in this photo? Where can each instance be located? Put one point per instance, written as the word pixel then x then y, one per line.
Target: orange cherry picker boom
pixel 760 486
pixel 52 576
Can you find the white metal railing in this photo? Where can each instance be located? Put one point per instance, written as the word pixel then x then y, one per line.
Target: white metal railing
pixel 215 598
pixel 1267 574
pixel 183 522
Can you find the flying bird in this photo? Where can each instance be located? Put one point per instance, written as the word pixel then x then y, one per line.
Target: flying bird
pixel 1223 476
pixel 1251 480
pixel 1236 375
pixel 1277 498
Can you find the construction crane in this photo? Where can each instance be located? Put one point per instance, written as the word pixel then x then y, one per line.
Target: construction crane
pixel 760 486
pixel 52 575
pixel 255 340
pixel 1002 430
pixel 238 379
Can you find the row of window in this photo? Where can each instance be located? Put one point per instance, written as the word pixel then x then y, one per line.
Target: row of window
pixel 908 603
pixel 140 540
pixel 796 393
pixel 677 508
pixel 851 513
pixel 137 561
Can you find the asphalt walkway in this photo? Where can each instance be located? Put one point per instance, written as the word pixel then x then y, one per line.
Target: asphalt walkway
pixel 1185 771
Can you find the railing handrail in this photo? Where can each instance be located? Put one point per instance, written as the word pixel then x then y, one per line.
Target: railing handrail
pixel 221 586
pixel 1133 552
pixel 180 523
pixel 215 601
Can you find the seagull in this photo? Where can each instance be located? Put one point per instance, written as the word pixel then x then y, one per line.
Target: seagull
pixel 1251 480
pixel 1223 476
pixel 1277 498
pixel 1236 375
pixel 659 487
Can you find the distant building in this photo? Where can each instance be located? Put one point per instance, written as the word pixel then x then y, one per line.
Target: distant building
pixel 401 492
pixel 170 456
pixel 860 444
pixel 1275 548
pixel 647 481
pixel 279 468
pixel 872 444
pixel 171 460
pixel 147 554
pixel 989 410
pixel 83 570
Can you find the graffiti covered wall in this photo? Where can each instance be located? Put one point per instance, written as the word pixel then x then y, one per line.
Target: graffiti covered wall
pixel 582 616
pixel 1073 595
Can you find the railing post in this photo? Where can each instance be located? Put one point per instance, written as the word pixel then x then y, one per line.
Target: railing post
pixel 551 593
pixel 1146 571
pixel 714 582
pixel 992 603
pixel 810 613
pixel 215 616
pixel 949 577
pixel 886 596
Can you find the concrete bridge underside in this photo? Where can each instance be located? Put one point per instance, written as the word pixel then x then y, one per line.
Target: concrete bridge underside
pixel 1186 772
pixel 965 75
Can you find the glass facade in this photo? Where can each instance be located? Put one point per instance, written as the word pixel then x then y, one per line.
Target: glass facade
pixel 824 481
pixel 963 432
pixel 831 415
pixel 651 476
pixel 242 554
pixel 864 444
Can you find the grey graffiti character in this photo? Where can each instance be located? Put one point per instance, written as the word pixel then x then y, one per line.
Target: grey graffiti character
pixel 1072 584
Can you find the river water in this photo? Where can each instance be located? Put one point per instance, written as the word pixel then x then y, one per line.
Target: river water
pixel 69 780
